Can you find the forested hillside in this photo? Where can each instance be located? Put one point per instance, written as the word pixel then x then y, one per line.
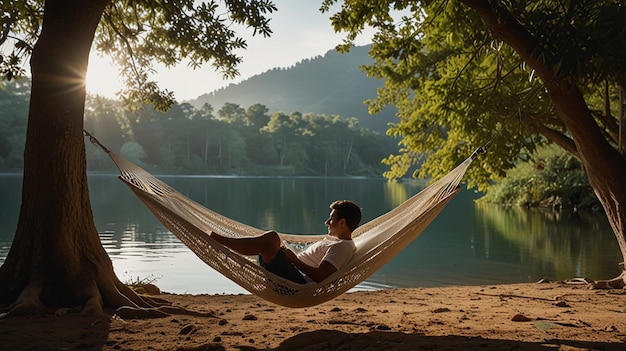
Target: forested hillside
pixel 331 84
pixel 234 140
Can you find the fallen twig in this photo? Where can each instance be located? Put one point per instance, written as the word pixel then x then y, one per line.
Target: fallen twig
pixel 502 296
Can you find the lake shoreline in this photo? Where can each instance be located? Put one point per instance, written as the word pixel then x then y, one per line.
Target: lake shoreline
pixel 533 316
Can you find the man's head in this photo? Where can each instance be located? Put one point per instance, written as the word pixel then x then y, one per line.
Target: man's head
pixel 348 210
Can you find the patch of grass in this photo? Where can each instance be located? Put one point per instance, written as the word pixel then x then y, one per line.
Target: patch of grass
pixel 143 285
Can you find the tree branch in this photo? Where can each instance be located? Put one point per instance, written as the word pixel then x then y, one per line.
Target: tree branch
pixel 503 26
pixel 557 137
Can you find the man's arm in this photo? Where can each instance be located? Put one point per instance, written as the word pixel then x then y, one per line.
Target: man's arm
pixel 316 273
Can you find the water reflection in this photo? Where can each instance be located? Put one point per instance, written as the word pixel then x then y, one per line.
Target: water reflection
pixel 564 244
pixel 465 245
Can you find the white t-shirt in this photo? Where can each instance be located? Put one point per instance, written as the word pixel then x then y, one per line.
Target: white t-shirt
pixel 332 249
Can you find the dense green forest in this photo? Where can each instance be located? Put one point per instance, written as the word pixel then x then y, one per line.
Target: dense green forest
pixel 332 84
pixel 190 140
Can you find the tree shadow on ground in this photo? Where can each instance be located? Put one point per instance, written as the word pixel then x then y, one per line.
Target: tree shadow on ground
pixel 54 332
pixel 380 340
pixel 74 332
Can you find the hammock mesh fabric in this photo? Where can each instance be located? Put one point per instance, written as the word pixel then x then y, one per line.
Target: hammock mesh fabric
pixel 377 241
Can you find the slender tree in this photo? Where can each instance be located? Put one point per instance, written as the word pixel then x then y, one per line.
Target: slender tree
pixel 512 74
pixel 56 258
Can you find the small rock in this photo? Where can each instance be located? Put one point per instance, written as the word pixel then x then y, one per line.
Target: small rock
pixel 441 310
pixel 520 318
pixel 250 317
pixel 382 327
pixel 151 289
pixel 222 322
pixel 186 329
pixel 562 304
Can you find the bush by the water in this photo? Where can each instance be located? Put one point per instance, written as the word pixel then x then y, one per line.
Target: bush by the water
pixel 551 178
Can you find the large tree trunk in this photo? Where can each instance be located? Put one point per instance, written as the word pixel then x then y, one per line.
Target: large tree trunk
pixel 604 166
pixel 56 258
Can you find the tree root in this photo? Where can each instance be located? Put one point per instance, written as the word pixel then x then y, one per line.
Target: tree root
pixel 618 282
pixel 28 302
pixel 93 304
pixel 110 292
pixel 128 304
pixel 151 307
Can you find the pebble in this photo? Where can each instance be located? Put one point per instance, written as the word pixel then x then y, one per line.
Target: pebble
pixel 520 318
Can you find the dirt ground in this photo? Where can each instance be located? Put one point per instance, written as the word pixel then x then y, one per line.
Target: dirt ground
pixel 551 316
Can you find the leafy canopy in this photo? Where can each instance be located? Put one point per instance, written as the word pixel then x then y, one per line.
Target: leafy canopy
pixel 458 87
pixel 139 34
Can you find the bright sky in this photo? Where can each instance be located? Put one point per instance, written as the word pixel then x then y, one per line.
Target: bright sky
pixel 300 31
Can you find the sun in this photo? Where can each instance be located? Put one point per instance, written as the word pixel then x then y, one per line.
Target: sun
pixel 102 77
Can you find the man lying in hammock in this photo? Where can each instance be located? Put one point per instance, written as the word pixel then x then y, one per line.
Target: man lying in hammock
pixel 316 262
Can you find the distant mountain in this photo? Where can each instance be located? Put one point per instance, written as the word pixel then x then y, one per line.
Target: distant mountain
pixel 332 84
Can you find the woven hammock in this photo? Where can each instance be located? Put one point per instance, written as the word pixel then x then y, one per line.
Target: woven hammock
pixel 377 241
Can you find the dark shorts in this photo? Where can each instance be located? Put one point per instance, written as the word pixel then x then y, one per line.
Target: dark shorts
pixel 281 266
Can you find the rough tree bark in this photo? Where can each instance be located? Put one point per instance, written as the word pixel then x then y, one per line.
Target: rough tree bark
pixel 56 258
pixel 604 166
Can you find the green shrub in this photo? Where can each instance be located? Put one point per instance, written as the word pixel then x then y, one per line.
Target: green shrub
pixel 551 178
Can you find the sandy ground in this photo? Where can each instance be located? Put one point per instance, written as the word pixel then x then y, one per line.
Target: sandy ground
pixel 550 316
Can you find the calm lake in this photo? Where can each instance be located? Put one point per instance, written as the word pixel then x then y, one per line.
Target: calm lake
pixel 467 244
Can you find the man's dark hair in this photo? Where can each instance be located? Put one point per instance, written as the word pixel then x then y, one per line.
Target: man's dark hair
pixel 349 211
